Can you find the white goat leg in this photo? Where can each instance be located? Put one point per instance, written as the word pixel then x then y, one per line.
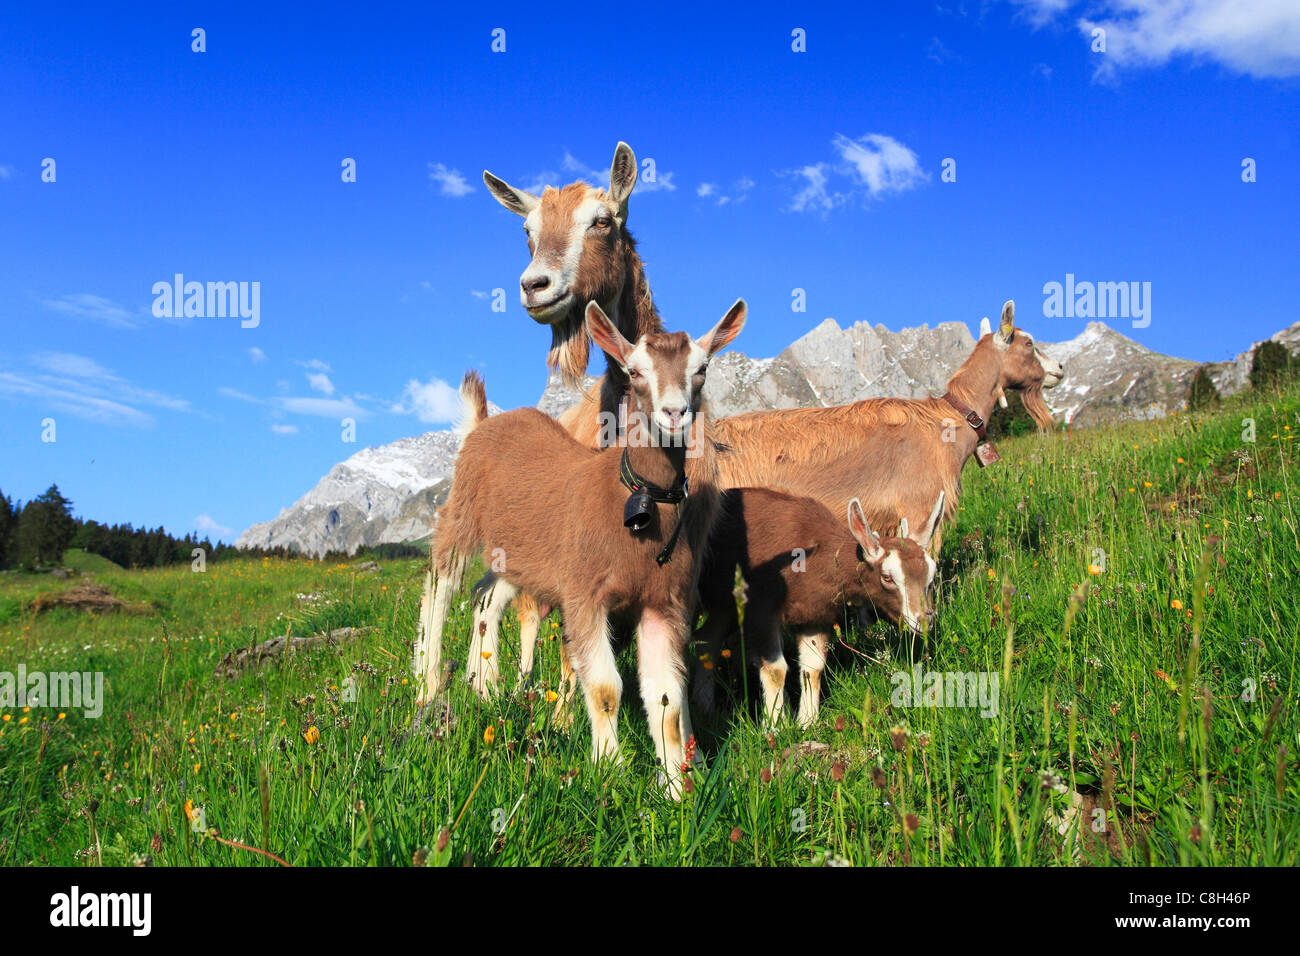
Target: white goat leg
pixel 594 663
pixel 812 661
pixel 530 622
pixel 434 605
pixel 482 669
pixel 660 646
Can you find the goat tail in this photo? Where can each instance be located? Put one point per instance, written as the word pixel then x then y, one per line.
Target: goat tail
pixel 473 395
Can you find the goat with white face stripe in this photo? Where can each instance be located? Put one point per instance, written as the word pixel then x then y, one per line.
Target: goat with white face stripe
pixel 802 566
pixel 668 387
pixel 580 252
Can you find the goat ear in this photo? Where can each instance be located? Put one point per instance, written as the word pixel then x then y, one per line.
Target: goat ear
pixel 986 327
pixel 605 334
pixel 622 176
pixel 1008 324
pixel 931 523
pixel 862 533
pixel 728 327
pixel 516 200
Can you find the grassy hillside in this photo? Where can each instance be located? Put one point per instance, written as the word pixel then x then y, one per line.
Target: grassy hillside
pixel 1133 588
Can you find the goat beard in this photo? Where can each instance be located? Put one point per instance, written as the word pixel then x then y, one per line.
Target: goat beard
pixel 1032 398
pixel 570 349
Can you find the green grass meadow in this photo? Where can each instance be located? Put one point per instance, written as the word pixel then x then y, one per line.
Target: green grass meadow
pixel 1134 588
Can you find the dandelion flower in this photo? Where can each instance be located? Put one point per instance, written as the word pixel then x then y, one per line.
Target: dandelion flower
pixel 489 734
pixel 1176 604
pixel 312 736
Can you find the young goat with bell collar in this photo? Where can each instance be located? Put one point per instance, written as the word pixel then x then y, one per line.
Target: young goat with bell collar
pixel 557 511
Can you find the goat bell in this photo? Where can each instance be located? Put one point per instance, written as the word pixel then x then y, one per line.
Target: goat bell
pixel 637 511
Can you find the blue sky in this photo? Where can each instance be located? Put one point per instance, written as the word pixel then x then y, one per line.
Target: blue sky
pixel 776 170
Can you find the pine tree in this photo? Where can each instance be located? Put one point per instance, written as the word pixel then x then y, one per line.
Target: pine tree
pixel 1202 391
pixel 1010 421
pixel 45 529
pixel 8 521
pixel 1272 363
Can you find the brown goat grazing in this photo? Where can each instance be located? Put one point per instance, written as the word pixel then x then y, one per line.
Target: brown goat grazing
pixel 801 566
pixel 895 454
pixel 580 251
pixel 556 517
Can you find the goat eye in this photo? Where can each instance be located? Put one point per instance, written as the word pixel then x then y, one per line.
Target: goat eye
pixel 633 374
pixel 602 222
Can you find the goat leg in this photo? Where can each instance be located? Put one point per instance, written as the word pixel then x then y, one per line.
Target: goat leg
pixel 661 644
pixel 812 661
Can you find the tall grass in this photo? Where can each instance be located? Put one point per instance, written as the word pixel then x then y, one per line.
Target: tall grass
pixel 1133 588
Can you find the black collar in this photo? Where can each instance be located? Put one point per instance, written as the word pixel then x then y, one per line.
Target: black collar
pixel 673 495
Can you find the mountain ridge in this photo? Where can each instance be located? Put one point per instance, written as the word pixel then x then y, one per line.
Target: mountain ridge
pixel 389 493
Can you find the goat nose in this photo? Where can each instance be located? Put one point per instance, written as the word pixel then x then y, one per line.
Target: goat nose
pixel 534 283
pixel 675 415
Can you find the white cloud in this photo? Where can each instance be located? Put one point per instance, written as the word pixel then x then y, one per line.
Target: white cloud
pixel 450 181
pixel 237 394
pixel 663 182
pixel 881 163
pixel 738 192
pixel 257 355
pixel 571 167
pixel 208 528
pixel 342 407
pixel 316 365
pixel 1260 38
pixel 872 166
pixel 320 382
pixel 95 307
pixel 6 172
pixel 285 429
pixel 83 388
pixel 478 293
pixel 431 401
pixel 813 195
pixel 322 407
pixel 1041 12
pixel 936 50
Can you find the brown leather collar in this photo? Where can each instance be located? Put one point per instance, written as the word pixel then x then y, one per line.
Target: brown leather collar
pixel 972 417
